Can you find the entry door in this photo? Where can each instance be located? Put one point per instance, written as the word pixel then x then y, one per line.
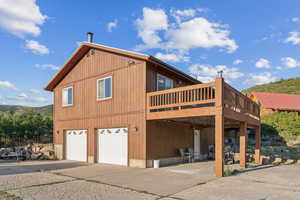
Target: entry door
pixel 76 145
pixel 197 150
pixel 113 146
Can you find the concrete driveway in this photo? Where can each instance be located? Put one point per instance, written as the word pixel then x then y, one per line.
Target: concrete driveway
pixel 74 180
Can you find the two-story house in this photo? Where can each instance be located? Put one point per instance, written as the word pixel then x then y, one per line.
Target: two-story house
pixel 126 108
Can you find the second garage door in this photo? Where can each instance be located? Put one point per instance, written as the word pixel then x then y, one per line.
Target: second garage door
pixel 113 146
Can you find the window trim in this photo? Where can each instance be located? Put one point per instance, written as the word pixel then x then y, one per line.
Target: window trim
pixel 111 89
pixel 62 98
pixel 158 74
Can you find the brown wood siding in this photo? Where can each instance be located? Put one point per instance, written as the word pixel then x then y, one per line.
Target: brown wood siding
pixel 207 137
pixel 125 109
pixel 165 138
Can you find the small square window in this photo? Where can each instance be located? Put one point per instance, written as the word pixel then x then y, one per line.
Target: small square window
pixel 67 96
pixel 104 88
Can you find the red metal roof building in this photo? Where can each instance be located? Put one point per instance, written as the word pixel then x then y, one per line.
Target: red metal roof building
pixel 274 102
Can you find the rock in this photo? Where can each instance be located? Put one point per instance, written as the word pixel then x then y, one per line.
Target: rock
pixel 43 157
pixel 265 160
pixel 277 160
pixel 49 155
pixel 236 156
pixel 289 161
pixel 36 156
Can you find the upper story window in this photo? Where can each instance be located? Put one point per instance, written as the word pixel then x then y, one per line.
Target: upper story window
pixel 67 96
pixel 104 88
pixel 164 83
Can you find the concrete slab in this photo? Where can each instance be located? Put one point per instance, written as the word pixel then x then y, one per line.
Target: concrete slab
pixel 8 182
pixel 163 181
pixel 285 175
pixel 80 190
pixel 265 183
pixel 21 167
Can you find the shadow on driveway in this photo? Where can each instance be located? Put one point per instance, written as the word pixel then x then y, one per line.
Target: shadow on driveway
pixel 14 167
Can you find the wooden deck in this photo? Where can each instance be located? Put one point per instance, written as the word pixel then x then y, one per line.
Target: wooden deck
pixel 201 100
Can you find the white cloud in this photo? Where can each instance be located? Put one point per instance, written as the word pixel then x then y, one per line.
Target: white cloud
pixel 237 62
pixel 34 91
pixel 36 47
pixel 294 38
pixel 289 62
pixel 180 15
pixel 197 32
pixel 152 22
pixel 23 97
pixel 112 25
pixel 8 85
pixel 47 66
pixel 21 17
pixel 207 73
pixel 172 57
pixel 296 19
pixel 261 78
pixel 263 63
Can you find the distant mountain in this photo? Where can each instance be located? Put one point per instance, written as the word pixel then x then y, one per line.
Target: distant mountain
pixel 288 86
pixel 47 110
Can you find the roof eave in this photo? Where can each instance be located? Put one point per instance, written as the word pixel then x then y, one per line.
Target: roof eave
pixel 85 46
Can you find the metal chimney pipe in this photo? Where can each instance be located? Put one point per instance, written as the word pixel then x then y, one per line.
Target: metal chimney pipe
pixel 220 74
pixel 90 37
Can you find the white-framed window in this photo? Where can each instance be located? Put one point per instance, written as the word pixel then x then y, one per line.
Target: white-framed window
pixel 104 88
pixel 164 83
pixel 67 96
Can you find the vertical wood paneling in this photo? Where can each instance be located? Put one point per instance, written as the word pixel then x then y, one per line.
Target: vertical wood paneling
pixel 125 109
pixel 165 138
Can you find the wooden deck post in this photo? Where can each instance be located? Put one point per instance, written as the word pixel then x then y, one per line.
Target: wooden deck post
pixel 257 144
pixel 243 144
pixel 219 128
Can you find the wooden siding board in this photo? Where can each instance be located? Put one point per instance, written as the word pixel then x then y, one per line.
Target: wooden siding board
pixel 165 138
pixel 126 108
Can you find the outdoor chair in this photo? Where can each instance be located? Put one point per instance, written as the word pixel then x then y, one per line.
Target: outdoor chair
pixel 191 155
pixel 184 157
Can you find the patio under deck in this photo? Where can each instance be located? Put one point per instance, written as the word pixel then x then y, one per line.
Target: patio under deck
pixel 217 103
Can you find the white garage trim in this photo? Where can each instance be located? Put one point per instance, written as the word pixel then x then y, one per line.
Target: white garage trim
pixel 76 145
pixel 112 146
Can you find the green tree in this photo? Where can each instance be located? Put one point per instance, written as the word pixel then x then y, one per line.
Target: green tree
pixel 286 124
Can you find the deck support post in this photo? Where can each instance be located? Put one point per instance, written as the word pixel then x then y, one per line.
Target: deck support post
pixel 243 144
pixel 257 144
pixel 219 128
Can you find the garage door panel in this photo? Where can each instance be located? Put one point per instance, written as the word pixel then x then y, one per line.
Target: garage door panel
pixel 113 146
pixel 76 145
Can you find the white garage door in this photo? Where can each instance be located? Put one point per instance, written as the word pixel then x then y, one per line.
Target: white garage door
pixel 76 148
pixel 113 146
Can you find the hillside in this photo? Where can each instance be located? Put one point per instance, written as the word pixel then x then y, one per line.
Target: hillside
pixel 47 110
pixel 288 86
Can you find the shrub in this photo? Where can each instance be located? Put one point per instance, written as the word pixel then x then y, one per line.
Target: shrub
pixel 284 124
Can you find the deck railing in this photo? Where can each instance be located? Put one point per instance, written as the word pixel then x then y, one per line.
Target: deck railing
pixel 238 102
pixel 200 95
pixel 183 96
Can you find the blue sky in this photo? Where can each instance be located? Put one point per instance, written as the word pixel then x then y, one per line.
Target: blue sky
pixel 253 42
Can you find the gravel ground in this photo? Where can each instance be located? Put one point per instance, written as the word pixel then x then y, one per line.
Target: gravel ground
pixel 80 189
pixel 8 182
